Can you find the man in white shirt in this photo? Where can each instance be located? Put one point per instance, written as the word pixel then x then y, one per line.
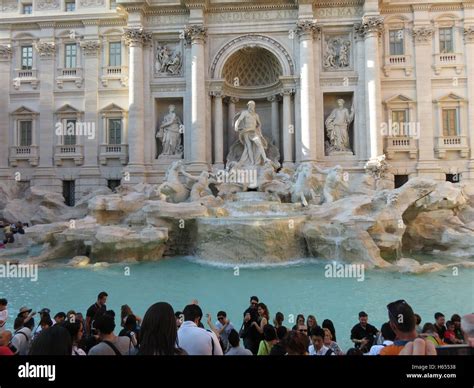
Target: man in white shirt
pixel 195 340
pixel 318 348
pixel 21 339
pixel 388 337
pixel 3 314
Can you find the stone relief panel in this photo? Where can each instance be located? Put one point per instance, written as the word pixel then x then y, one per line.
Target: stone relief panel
pixel 91 3
pixel 47 4
pixel 9 6
pixel 168 61
pixel 337 52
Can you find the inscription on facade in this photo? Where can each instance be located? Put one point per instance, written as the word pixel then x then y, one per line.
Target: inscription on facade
pixel 341 12
pixel 239 17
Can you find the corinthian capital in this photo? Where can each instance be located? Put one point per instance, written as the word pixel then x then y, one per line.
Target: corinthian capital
pixel 90 47
pixel 469 34
pixel 422 35
pixel 371 25
pixel 136 37
pixel 5 52
pixel 195 33
pixel 307 28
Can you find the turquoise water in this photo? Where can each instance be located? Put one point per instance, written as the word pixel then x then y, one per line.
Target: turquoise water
pixel 291 289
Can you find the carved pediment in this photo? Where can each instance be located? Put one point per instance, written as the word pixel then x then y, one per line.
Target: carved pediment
pixel 451 97
pixel 24 111
pixel 112 108
pixel 398 98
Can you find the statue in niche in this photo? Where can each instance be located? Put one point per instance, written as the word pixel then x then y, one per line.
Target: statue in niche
pixel 169 134
pixel 337 128
pixel 168 62
pixel 336 53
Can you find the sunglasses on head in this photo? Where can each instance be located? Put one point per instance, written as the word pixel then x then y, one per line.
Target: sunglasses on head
pixel 391 306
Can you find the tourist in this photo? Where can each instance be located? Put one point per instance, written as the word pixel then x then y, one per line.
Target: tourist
pixel 3 314
pixel 22 336
pixel 317 339
pixel 328 342
pixel 95 311
pixel 402 321
pixel 223 327
pixel 299 321
pixel 278 320
pixel 159 332
pixel 59 317
pixel 56 341
pixel 27 314
pixel 439 324
pixel 388 336
pixel 45 323
pixel 363 334
pixel 327 324
pixel 456 319
pixel 296 344
pixel 418 327
pixel 311 323
pixel 125 311
pixel 179 318
pixel 5 345
pixel 7 231
pixel 110 344
pixel 263 317
pixel 195 340
pixel 43 313
pixel 467 326
pixel 76 331
pixel 248 332
pixel 430 334
pixel 450 334
pixel 269 339
pixel 279 349
pixel 234 345
pixel 131 330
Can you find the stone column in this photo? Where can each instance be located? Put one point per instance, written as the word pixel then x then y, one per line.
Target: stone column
pixel 360 129
pixel 90 175
pixel 5 64
pixel 422 37
pixel 469 53
pixel 232 135
pixel 306 137
pixel 288 131
pixel 196 36
pixel 371 28
pixel 136 38
pixel 275 120
pixel 44 174
pixel 218 129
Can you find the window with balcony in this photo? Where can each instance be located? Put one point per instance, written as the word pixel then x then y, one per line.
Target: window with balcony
pixel 70 55
pixel 114 131
pixel 396 42
pixel 23 149
pixel 115 54
pixel 25 133
pixel 69 137
pixel 114 120
pixel 446 40
pixel 450 122
pixel 70 6
pixel 400 122
pixel 26 57
pixel 27 9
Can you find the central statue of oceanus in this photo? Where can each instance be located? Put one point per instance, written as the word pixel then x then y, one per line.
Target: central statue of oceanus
pixel 252 149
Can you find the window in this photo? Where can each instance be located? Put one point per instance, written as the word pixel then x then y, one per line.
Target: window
pixel 450 122
pixel 396 42
pixel 27 9
pixel 115 131
pixel 399 122
pixel 70 132
pixel 25 133
pixel 115 54
pixel 400 180
pixel 70 6
pixel 70 55
pixel 27 57
pixel 446 40
pixel 112 184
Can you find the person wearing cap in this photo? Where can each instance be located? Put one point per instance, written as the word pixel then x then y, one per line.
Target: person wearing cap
pixel 403 323
pixel 363 334
pixel 3 314
pixel 43 313
pixel 27 315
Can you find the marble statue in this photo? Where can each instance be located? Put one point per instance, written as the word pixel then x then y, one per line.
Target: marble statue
pixel 172 189
pixel 335 185
pixel 201 188
pixel 305 185
pixel 170 133
pixel 168 62
pixel 337 127
pixel 249 127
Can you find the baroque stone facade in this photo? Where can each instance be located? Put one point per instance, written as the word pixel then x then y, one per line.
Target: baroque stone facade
pixel 142 84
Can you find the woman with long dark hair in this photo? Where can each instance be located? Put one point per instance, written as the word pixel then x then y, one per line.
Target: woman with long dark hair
pixel 54 341
pixel 327 324
pixel 159 332
pixel 263 317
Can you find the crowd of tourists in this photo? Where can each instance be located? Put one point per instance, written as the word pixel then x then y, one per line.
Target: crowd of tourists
pixel 165 331
pixel 9 231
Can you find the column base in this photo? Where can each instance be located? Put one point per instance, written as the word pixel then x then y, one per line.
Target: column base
pixel 133 175
pixel 429 170
pixel 46 178
pixel 89 180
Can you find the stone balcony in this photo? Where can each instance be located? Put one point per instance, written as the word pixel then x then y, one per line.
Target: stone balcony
pixel 401 144
pixel 64 75
pixel 451 143
pixel 110 73
pixel 113 151
pixel 398 62
pixel 22 76
pixel 20 153
pixel 448 60
pixel 68 152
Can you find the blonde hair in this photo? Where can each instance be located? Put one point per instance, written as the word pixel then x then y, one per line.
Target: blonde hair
pixel 327 331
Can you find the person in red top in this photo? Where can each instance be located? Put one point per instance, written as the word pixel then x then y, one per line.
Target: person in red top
pixel 450 334
pixel 5 338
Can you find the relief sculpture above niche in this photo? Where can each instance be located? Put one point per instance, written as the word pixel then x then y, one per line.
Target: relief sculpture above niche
pixel 168 59
pixel 337 53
